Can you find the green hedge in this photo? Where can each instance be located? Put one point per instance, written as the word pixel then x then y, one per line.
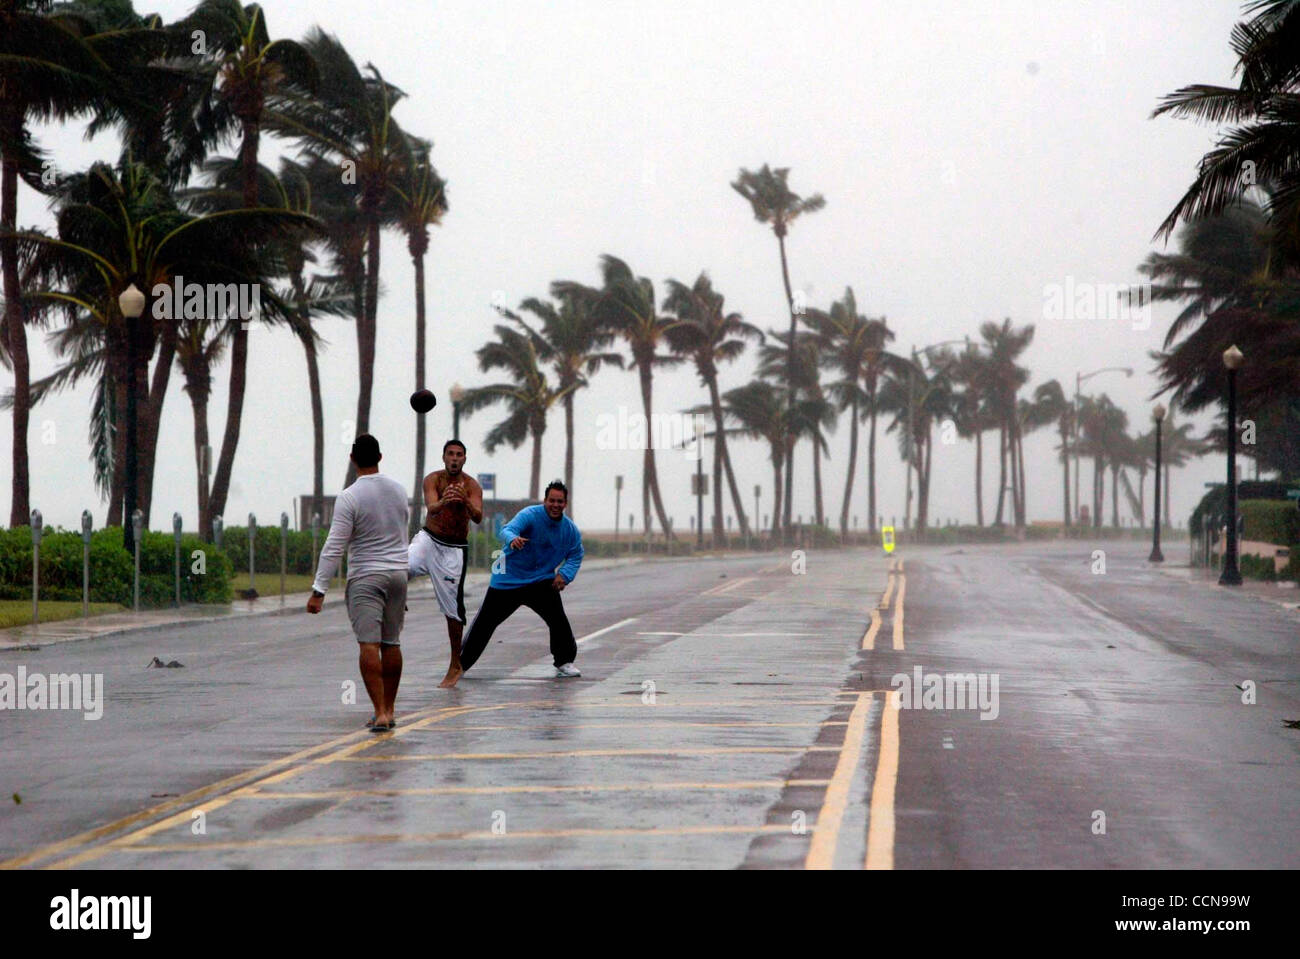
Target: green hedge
pixel 1215 502
pixel 1271 521
pixel 266 549
pixel 111 568
pixel 1257 567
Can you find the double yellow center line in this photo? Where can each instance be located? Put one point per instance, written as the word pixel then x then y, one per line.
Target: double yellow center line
pixel 880 822
pixel 899 581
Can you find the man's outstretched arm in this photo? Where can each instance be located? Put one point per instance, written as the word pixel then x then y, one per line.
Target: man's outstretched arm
pixel 572 561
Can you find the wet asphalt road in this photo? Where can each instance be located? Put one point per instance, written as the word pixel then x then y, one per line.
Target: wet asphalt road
pixel 1119 695
pixel 728 717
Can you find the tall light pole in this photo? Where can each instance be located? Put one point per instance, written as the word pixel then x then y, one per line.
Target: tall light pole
pixel 1231 576
pixel 1158 414
pixel 457 393
pixel 1079 380
pixel 131 303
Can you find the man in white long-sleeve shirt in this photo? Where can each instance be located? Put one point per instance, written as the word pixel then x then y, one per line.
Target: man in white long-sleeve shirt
pixel 369 521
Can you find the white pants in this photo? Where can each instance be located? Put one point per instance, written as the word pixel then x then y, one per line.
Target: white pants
pixel 444 564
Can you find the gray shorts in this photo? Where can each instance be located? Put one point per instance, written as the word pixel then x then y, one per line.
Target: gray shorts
pixel 377 606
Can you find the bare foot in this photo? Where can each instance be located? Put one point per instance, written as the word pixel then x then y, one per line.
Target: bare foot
pixel 381 723
pixel 454 673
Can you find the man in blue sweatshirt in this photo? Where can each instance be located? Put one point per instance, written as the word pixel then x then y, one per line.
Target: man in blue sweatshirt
pixel 541 553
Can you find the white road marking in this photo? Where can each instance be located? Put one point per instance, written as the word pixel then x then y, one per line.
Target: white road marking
pixel 602 632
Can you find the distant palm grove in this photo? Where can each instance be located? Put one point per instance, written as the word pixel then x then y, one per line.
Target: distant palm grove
pixel 307 234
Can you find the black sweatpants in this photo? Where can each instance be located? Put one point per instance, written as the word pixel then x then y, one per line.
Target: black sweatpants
pixel 499 604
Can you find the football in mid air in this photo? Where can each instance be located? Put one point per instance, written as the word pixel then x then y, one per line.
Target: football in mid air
pixel 423 400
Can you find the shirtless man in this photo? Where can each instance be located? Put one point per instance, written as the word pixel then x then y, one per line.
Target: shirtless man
pixel 451 500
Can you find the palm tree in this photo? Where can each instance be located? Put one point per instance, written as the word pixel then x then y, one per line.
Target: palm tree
pixel 527 393
pixel 1054 406
pixel 1264 140
pixel 573 344
pixel 348 124
pixel 971 411
pixel 758 407
pixel 805 387
pixel 1232 296
pixel 1090 443
pixel 1005 343
pixel 332 202
pixel 626 304
pixel 309 297
pixel 775 204
pixel 1104 438
pixel 917 398
pixel 199 346
pixel 1045 408
pixel 421 202
pixel 709 335
pixel 291 190
pixel 851 344
pixel 244 72
pixel 1178 448
pixel 50 68
pixel 1141 459
pixel 1122 454
pixel 118 227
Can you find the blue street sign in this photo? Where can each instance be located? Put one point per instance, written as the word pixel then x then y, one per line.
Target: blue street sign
pixel 488 482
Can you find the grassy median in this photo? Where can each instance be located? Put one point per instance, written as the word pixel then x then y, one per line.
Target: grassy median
pixel 18 612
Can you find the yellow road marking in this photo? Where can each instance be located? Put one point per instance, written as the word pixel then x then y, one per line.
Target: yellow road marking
pixel 764 704
pixel 246 790
pixel 500 790
pixel 869 637
pixel 898 611
pixel 889 591
pixel 880 831
pixel 190 798
pixel 352 839
pixel 642 726
pixel 826 835
pixel 207 798
pixel 728 587
pixel 580 753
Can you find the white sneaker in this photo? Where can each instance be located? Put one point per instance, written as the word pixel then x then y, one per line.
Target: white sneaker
pixel 567 671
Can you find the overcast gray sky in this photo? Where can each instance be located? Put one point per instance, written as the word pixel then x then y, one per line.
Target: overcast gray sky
pixel 971 154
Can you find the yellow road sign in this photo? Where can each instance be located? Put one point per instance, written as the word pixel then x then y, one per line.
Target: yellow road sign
pixel 887 539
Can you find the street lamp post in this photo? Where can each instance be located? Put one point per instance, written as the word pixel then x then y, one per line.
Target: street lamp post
pixel 176 543
pixel 1158 414
pixel 1231 576
pixel 618 495
pixel 131 302
pixel 699 486
pixel 38 524
pixel 252 559
pixel 136 525
pixel 457 393
pixel 87 524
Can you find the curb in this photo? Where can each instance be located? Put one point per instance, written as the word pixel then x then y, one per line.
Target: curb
pixel 17 639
